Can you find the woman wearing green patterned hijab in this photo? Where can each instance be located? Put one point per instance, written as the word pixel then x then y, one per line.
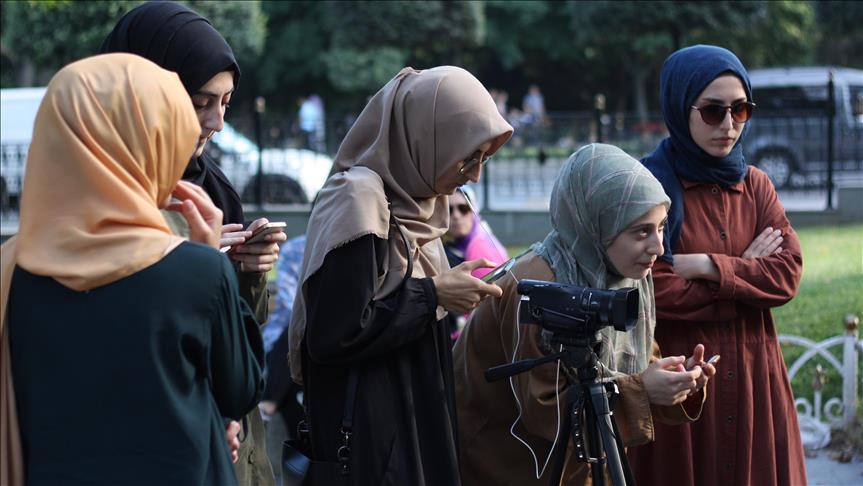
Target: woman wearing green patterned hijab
pixel 608 214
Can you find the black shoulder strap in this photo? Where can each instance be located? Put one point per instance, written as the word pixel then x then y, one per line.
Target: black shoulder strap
pixel 410 270
pixel 344 451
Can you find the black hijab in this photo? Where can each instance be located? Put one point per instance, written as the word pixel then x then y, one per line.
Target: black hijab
pixel 180 40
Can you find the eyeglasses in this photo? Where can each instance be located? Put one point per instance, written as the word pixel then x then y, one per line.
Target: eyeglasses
pixel 714 113
pixel 462 208
pixel 473 162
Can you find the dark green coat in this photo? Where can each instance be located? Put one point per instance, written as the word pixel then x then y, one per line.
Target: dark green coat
pixel 131 381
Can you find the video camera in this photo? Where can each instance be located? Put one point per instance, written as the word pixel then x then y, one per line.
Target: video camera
pixel 569 310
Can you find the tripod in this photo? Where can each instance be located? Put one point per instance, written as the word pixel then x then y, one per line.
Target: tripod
pixel 587 400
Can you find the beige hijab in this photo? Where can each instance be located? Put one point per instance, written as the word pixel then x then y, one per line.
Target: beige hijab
pixel 111 139
pixel 414 129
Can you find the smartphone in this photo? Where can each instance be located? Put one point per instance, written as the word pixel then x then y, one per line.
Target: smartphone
pixel 264 230
pixel 499 271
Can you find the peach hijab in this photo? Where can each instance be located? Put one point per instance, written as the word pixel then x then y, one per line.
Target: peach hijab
pixel 111 139
pixel 408 135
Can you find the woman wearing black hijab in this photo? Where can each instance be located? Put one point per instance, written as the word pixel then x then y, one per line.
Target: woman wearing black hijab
pixel 181 40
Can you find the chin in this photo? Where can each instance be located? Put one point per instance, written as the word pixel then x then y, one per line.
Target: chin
pixel 637 273
pixel 721 153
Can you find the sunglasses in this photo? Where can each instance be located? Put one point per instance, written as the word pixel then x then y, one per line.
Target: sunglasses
pixel 473 162
pixel 714 113
pixel 462 208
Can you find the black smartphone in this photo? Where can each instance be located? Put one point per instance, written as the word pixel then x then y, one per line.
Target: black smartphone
pixel 499 271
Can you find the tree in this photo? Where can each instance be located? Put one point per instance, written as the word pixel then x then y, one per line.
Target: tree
pixel 345 51
pixel 638 36
pixel 40 37
pixel 842 20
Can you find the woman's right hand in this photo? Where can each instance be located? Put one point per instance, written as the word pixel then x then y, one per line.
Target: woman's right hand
pixel 458 291
pixel 667 382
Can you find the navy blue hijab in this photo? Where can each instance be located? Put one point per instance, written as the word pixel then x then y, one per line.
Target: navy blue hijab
pixel 684 76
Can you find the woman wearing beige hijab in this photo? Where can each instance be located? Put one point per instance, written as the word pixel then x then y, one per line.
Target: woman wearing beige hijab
pixel 127 346
pixel 366 337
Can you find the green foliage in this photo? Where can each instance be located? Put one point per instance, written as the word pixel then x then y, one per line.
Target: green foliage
pixel 242 23
pixel 354 70
pixel 345 50
pixel 43 36
pixel 50 34
pixel 840 22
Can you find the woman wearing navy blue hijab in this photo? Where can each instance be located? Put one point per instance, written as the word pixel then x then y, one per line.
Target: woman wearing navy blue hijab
pixel 730 256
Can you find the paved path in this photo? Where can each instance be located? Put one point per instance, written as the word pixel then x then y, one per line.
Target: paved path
pixel 824 471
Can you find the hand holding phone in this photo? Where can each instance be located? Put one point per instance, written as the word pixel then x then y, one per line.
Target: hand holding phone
pixel 499 271
pixel 264 230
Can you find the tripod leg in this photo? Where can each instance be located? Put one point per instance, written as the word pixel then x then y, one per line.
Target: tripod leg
pixel 560 449
pixel 595 443
pixel 603 422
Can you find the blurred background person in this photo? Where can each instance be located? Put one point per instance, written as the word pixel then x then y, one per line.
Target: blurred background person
pixel 468 238
pixel 127 342
pixel 312 122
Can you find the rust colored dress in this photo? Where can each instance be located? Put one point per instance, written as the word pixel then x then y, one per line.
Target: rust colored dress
pixel 748 432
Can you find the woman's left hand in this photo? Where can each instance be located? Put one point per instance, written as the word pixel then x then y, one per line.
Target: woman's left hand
pixel 232 435
pixel 258 257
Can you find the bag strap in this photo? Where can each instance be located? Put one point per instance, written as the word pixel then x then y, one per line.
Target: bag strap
pixel 344 451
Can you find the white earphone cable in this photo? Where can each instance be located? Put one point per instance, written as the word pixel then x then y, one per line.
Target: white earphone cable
pixel 512 432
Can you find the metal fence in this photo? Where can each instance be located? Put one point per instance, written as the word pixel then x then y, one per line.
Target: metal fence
pixel 817 415
pixel 793 147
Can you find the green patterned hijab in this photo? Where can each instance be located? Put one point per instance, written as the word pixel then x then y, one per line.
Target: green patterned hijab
pixel 599 192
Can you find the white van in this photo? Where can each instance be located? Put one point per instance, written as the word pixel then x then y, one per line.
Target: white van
pixel 290 175
pixel 788 131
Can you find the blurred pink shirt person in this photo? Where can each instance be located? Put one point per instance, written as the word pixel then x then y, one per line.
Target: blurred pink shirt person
pixel 467 239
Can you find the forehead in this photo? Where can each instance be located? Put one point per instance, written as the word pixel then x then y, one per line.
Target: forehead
pixel 654 215
pixel 725 87
pixel 219 85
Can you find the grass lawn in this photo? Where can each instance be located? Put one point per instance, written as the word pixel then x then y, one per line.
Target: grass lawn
pixel 832 287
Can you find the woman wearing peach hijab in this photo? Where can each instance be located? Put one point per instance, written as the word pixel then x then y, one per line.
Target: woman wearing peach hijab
pixel 366 337
pixel 127 346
